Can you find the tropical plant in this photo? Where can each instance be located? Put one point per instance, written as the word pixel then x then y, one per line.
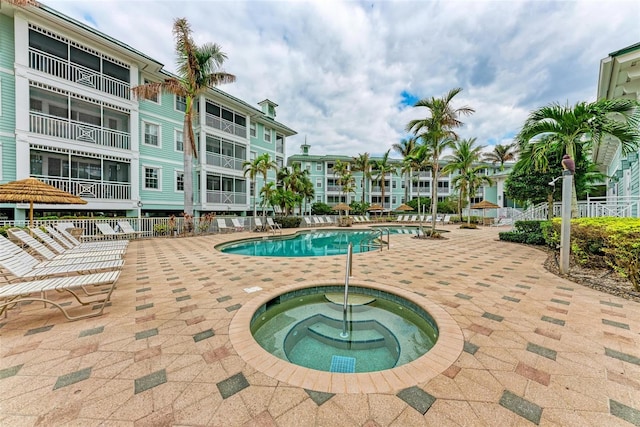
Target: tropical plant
pixel 258 166
pixel 383 167
pixel 585 125
pixel 268 192
pixel 363 163
pixel 465 155
pixel 307 191
pixel 417 161
pixel 405 148
pixel 472 179
pixel 198 70
pixel 436 133
pixel 500 154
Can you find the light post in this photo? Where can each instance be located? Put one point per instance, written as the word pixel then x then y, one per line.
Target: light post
pixel 565 229
pixel 139 204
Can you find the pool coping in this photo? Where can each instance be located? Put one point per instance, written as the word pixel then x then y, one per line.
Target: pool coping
pixel 444 353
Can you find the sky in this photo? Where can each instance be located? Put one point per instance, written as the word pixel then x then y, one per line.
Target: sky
pixel 346 74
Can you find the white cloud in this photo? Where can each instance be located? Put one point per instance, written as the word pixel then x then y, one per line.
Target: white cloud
pixel 337 68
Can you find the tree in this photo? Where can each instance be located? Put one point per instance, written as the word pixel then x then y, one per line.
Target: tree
pixel 259 166
pixel 436 132
pixel 362 163
pixel 465 155
pixel 500 154
pixel 584 125
pixel 268 192
pixel 405 148
pixel 308 191
pixel 418 161
pixel 198 69
pixel 471 179
pixel 383 168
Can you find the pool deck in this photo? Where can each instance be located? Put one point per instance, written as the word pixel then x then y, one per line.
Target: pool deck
pixel 534 349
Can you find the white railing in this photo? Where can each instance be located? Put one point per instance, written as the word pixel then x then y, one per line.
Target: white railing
pixel 337 188
pixel 222 161
pixel 90 189
pixel 226 126
pixel 226 197
pixel 44 124
pixel 50 64
pixel 592 207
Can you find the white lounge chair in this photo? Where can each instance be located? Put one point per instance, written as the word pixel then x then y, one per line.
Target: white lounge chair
pixel 22 265
pixel 74 252
pixel 274 225
pixel 222 226
pixel 68 241
pixel 446 219
pixel 308 221
pixel 237 224
pixel 108 232
pixel 329 220
pixel 127 228
pixel 15 293
pixel 257 222
pixel 58 259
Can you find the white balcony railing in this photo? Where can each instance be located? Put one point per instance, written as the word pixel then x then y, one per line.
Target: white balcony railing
pixel 226 126
pixel 226 197
pixel 227 162
pixel 90 189
pixel 44 124
pixel 335 188
pixel 49 64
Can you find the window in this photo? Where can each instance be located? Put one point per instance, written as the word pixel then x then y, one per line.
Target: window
pixel 252 155
pixel 181 103
pixel 151 134
pixel 279 162
pixel 155 98
pixel 179 181
pixel 319 167
pixel 267 134
pixel 179 140
pixel 318 183
pixel 308 167
pixel 151 178
pixel 252 130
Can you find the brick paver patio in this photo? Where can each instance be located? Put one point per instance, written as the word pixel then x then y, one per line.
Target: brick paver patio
pixel 538 349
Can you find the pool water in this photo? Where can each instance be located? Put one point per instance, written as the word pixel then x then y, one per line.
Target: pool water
pixel 304 244
pixel 306 330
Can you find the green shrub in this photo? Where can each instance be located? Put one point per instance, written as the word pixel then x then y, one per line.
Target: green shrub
pixel 528 232
pixel 320 208
pixel 288 221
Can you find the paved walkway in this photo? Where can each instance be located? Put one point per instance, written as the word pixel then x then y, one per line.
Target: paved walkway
pixel 537 349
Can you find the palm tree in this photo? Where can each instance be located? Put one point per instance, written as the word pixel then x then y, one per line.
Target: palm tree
pixel 471 179
pixel 436 133
pixel 198 70
pixel 584 125
pixel 500 154
pixel 308 191
pixel 362 163
pixel 465 154
pixel 405 148
pixel 341 170
pixel 259 166
pixel 383 168
pixel 267 192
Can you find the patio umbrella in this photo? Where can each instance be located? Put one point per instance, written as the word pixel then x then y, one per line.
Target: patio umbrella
pixel 32 190
pixel 484 205
pixel 375 207
pixel 404 207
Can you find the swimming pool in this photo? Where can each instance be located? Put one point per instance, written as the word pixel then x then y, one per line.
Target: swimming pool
pixel 304 243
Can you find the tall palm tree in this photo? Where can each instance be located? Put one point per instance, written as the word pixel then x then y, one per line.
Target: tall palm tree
pixel 268 192
pixel 307 191
pixel 258 166
pixel 465 155
pixel 418 161
pixel 436 133
pixel 471 179
pixel 198 69
pixel 584 125
pixel 405 148
pixel 341 170
pixel 383 167
pixel 500 154
pixel 362 163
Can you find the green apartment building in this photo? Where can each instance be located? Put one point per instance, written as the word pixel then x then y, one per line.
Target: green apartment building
pixel 68 118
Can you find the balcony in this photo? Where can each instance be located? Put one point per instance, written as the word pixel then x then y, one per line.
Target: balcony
pixel 334 188
pixel 88 189
pixel 44 124
pixel 222 161
pixel 67 70
pixel 226 197
pixel 225 126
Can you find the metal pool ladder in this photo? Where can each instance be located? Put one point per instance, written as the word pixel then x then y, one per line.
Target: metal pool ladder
pixel 369 243
pixel 344 333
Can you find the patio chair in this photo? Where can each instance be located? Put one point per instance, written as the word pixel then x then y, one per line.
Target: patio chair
pixel 127 228
pixel 329 220
pixel 108 232
pixel 15 293
pixel 308 221
pixel 58 259
pixel 22 265
pixel 259 225
pixel 222 226
pixel 316 221
pixel 237 224
pixel 68 241
pixel 400 218
pixel 274 225
pixel 73 252
pixel 446 219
